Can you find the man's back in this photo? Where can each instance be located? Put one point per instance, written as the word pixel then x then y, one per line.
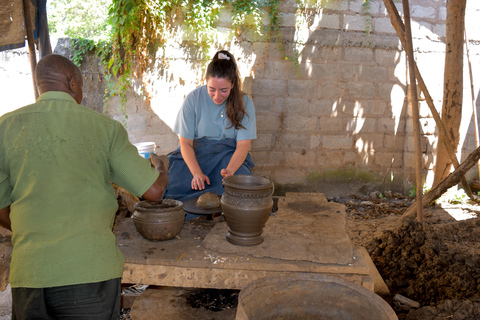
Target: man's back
pixel 60 158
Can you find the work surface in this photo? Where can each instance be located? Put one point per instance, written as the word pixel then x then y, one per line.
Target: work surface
pixel 307 235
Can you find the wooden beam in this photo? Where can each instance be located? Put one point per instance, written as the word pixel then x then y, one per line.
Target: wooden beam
pixel 31 46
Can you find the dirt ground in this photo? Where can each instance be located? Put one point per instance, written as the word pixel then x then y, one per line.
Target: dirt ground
pixel 437 265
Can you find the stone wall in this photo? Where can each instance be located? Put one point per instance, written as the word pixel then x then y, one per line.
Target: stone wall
pixel 337 114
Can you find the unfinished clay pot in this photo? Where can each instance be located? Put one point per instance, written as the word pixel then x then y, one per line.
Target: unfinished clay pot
pixel 159 220
pixel 247 204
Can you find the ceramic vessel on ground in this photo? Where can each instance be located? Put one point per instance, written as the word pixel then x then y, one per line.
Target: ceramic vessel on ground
pixel 247 204
pixel 159 220
pixel 310 297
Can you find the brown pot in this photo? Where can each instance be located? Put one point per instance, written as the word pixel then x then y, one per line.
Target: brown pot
pixel 247 204
pixel 159 220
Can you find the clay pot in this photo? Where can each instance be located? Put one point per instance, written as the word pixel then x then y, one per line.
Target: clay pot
pixel 310 297
pixel 247 204
pixel 159 220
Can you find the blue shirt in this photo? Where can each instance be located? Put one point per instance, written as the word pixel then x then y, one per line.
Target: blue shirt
pixel 199 117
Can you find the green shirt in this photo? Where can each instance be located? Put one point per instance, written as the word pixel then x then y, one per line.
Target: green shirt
pixel 57 159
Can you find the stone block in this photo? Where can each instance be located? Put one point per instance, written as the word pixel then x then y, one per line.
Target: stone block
pixel 373 73
pixel 386 57
pixel 267 159
pixel 361 125
pixel 393 142
pixel 389 159
pixel 370 108
pixel 263 103
pixel 323 54
pixel 278 105
pixel 332 90
pixel 330 158
pixel 288 175
pixel 387 125
pixel 315 141
pixel 267 51
pixel 268 121
pixel 272 70
pixel 355 22
pixel 361 90
pixel 358 6
pixel 264 141
pixel 410 144
pixel 295 122
pixel 269 87
pixel 300 158
pixel 297 106
pixel 442 13
pixel 349 71
pixel 324 71
pixel 302 88
pixel 247 85
pixel 288 20
pixel 332 124
pixel 383 25
pixel 323 107
pixel 290 140
pixel 417 11
pixel 440 29
pixel 328 21
pixel 359 54
pixel 337 142
pixel 385 92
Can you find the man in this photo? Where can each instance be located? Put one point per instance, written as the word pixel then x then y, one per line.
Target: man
pixel 57 162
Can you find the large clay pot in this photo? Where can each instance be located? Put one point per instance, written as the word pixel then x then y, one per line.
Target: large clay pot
pixel 159 220
pixel 247 204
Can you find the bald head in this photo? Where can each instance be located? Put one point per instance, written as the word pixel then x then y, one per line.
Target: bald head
pixel 56 73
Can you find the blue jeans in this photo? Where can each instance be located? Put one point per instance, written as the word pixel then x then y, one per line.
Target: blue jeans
pixel 92 301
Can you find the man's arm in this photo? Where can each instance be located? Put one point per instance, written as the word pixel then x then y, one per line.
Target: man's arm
pixel 155 192
pixel 5 218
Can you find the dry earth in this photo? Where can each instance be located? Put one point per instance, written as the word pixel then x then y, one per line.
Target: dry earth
pixel 436 265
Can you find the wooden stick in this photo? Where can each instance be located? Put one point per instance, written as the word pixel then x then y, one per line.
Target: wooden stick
pixel 452 179
pixel 400 29
pixel 416 113
pixel 31 45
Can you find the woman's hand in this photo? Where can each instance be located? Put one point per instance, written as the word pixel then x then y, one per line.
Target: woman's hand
pixel 198 181
pixel 226 173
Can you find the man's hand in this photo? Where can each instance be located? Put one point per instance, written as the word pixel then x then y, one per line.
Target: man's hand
pixel 5 218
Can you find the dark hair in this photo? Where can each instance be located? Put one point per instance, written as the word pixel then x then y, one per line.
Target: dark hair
pixel 227 69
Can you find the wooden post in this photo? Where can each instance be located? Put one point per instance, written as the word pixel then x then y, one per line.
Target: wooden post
pixel 31 45
pixel 400 29
pixel 474 109
pixel 416 113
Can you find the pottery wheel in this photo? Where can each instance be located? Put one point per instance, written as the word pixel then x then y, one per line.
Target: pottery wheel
pixel 191 206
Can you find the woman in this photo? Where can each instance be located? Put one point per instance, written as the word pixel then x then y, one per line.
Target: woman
pixel 216 125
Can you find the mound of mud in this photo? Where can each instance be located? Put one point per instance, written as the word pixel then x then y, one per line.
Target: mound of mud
pixel 432 264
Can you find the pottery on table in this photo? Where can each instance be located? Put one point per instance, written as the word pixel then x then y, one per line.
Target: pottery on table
pixel 159 220
pixel 246 204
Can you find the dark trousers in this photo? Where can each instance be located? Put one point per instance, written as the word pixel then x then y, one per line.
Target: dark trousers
pixel 92 301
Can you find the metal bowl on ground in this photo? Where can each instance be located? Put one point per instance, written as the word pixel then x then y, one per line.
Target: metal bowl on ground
pixel 159 220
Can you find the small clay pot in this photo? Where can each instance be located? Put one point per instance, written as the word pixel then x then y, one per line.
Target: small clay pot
pixel 159 220
pixel 246 204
